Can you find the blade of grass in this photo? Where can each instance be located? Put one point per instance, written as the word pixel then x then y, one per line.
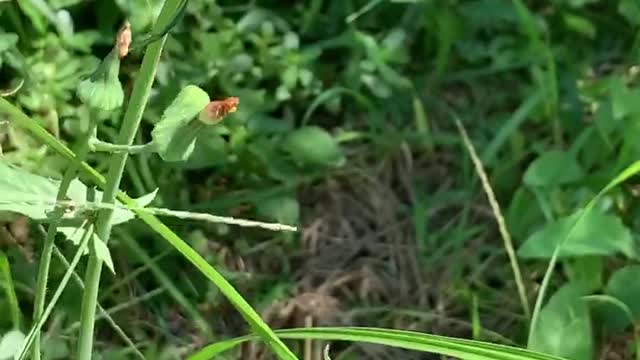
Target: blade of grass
pixel 461 348
pixel 497 213
pixel 540 45
pixel 45 257
pixel 247 312
pixel 9 290
pixel 625 174
pixel 511 125
pixel 58 254
pixel 165 281
pixel 101 310
pixel 35 330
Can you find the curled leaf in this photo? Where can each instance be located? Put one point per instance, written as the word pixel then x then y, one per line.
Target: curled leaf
pixel 175 134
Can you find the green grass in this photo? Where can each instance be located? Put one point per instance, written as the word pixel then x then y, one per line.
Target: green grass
pixel 512 222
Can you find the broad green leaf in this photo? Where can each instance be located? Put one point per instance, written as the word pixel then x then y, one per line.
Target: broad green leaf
pixel 553 168
pixel 410 340
pixel 623 286
pixel 624 101
pixel 564 327
pixel 313 145
pixel 586 272
pixel 25 193
pixel 35 196
pixel 102 252
pixel 175 134
pixel 283 209
pixel 595 234
pixel 10 344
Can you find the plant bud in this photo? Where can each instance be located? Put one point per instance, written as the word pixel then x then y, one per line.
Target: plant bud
pixel 123 41
pixel 102 90
pixel 216 110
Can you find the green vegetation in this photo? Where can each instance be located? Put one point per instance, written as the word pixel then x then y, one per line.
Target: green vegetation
pixel 313 179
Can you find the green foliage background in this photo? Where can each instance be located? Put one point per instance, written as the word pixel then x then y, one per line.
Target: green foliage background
pixel 332 94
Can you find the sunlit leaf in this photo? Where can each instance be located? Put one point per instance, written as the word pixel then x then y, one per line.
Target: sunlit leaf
pixel 595 234
pixel 10 344
pixel 176 132
pixel 564 327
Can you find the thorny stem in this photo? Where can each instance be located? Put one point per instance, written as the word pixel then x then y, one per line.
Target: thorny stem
pixel 130 124
pixel 45 258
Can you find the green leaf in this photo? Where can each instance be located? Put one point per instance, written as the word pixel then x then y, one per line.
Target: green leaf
pixel 9 289
pixel 623 285
pixel 34 196
pixel 210 150
pixel 553 168
pixel 175 134
pixel 283 209
pixel 313 145
pixel 586 272
pixel 410 340
pixel 595 234
pixel 25 193
pixel 10 344
pixel 102 252
pixel 630 9
pixel 121 215
pixel 244 308
pixel 7 41
pixel 564 327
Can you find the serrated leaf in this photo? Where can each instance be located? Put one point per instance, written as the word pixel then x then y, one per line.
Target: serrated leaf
pixel 102 252
pixel 173 135
pixel 564 326
pixel 313 145
pixel 553 168
pixel 122 215
pixel 34 196
pixel 10 344
pixel 596 234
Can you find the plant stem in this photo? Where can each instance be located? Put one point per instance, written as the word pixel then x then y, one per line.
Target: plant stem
pixel 98 145
pixel 35 330
pixel 130 124
pixel 45 258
